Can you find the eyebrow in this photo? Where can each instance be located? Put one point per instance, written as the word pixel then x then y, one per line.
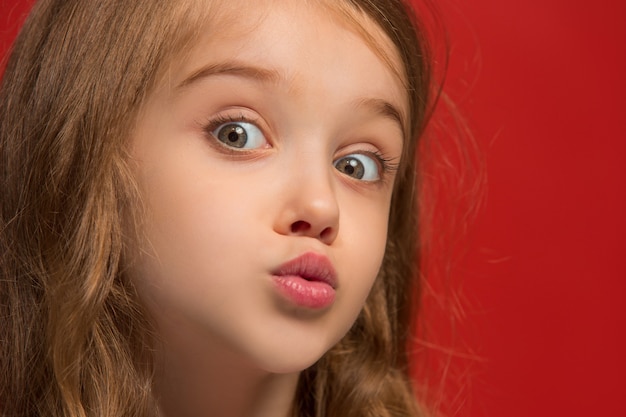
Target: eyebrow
pixel 383 108
pixel 232 68
pixel 272 76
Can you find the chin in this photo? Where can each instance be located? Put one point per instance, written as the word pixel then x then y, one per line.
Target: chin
pixel 292 360
pixel 288 364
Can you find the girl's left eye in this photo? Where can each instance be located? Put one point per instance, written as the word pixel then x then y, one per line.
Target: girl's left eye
pixel 240 135
pixel 359 166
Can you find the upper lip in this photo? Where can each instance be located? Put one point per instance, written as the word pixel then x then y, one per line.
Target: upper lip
pixel 310 266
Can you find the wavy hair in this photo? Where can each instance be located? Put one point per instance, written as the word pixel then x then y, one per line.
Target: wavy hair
pixel 74 339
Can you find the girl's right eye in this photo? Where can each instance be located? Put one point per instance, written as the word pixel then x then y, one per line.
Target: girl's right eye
pixel 240 135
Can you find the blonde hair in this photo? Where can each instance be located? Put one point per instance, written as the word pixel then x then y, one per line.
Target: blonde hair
pixel 74 340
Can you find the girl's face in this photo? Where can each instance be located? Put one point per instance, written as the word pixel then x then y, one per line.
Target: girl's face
pixel 266 161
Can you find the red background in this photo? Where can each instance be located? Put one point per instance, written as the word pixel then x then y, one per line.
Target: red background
pixel 543 85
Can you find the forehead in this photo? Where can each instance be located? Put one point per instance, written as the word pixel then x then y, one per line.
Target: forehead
pixel 241 13
pixel 267 30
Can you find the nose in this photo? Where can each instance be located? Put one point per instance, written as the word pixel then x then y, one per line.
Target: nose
pixel 309 207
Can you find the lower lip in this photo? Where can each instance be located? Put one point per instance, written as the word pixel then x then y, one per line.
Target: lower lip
pixel 315 295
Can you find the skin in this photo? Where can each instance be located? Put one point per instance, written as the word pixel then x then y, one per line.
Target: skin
pixel 308 90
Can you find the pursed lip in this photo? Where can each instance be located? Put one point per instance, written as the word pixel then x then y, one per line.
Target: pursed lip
pixel 311 267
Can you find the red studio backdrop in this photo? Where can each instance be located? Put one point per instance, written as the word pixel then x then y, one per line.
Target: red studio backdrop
pixel 542 84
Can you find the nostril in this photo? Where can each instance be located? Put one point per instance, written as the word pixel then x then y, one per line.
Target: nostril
pixel 327 233
pixel 300 227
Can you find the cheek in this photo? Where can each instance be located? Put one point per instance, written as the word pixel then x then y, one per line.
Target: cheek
pixel 361 250
pixel 191 273
pixel 177 220
pixel 190 225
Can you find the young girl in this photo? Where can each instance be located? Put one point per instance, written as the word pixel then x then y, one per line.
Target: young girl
pixel 208 208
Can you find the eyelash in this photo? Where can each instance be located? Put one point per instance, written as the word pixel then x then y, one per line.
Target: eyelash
pixel 387 165
pixel 216 121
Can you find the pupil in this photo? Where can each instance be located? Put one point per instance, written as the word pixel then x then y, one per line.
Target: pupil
pixel 233 136
pixel 349 169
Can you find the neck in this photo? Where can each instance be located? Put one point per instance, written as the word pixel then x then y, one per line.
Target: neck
pixel 207 379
